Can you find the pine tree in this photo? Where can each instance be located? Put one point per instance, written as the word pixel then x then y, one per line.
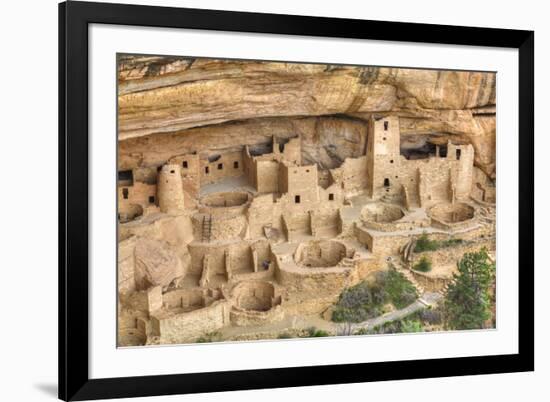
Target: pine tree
pixel 468 300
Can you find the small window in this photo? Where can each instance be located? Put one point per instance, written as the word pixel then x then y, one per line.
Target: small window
pixel 206 170
pixel 125 175
pixel 125 193
pixel 151 199
pixel 331 197
pixel 458 152
pixel 386 125
pixel 386 182
pixel 185 164
pixel 159 168
pixel 391 161
pixel 297 199
pixel 172 171
pixel 236 165
pixel 220 166
pixel 307 170
pixel 384 138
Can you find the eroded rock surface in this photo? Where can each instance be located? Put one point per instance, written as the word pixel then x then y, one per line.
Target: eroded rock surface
pixel 156 264
pixel 195 104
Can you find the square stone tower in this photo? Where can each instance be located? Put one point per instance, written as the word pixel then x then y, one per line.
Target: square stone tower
pixel 383 155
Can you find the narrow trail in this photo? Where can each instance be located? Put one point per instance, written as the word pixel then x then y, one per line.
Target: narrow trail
pixel 427 300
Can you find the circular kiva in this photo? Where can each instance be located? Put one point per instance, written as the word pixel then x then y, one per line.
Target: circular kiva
pixel 452 213
pixel 320 254
pixel 381 213
pixel 255 296
pixel 131 337
pixel 226 199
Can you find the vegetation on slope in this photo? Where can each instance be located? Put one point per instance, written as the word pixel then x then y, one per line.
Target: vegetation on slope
pixel 425 244
pixel 366 300
pixel 424 265
pixel 470 296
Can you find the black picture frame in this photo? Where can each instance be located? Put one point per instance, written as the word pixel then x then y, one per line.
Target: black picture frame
pixel 74 18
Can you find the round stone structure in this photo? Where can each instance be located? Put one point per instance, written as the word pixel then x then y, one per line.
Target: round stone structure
pixel 320 254
pixel 255 302
pixel 381 213
pixel 224 203
pixel 455 215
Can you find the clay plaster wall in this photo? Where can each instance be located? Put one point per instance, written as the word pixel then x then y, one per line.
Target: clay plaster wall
pixel 300 183
pixel 427 181
pixel 383 151
pixel 296 222
pixel 267 176
pixel 483 189
pixel 238 253
pixel 261 254
pixel 323 219
pixel 187 327
pixel 352 175
pixel 261 213
pixel 139 194
pixel 312 292
pixel 170 189
pixel 221 227
pixel 263 171
pixel 255 303
pixel 190 175
pixel 229 164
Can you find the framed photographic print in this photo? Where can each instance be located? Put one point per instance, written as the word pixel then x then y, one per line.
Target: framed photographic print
pixel 350 200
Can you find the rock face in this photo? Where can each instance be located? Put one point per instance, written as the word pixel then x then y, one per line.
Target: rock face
pixel 156 264
pixel 172 104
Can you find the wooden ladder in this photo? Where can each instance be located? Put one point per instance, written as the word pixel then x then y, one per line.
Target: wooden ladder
pixel 206 228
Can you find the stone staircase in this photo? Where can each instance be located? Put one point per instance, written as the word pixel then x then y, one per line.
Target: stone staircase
pixel 409 275
pixel 206 228
pixel 486 215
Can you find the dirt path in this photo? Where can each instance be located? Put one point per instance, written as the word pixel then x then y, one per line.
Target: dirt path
pixel 305 322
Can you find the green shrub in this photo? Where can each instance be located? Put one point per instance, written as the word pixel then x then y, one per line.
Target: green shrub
pixel 214 336
pixel 432 316
pixel 408 326
pixel 450 243
pixel 425 244
pixel 469 300
pixel 400 291
pixel 356 304
pixel 313 332
pixel 364 301
pixel 424 265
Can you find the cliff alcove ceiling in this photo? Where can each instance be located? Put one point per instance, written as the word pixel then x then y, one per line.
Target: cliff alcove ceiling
pixel 171 105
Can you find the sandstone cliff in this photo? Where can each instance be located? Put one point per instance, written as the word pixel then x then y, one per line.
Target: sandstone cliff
pixel 171 105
